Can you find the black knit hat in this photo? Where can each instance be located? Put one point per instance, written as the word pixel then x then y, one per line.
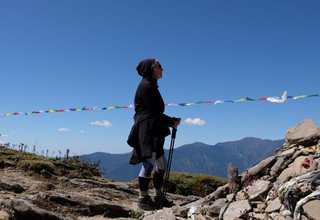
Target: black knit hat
pixel 145 67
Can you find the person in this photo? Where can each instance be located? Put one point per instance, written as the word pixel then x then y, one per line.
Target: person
pixel 147 135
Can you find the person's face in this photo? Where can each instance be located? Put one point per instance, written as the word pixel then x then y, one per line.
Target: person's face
pixel 158 71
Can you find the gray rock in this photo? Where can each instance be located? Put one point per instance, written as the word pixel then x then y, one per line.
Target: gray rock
pixel 258 216
pixel 237 209
pixel 280 217
pixel 63 200
pixel 305 133
pixel 165 214
pixel 216 206
pixel 290 160
pixel 286 213
pixel 261 206
pixel 258 170
pixel 230 197
pixel 258 189
pixel 273 206
pixel 301 165
pixel 275 169
pixel 288 152
pixel 26 210
pixel 221 192
pixel 4 215
pixel 11 186
pixel 241 195
pixel 183 211
pixel 46 174
pixel 312 209
pixel 199 217
pixel 286 174
pixel 304 164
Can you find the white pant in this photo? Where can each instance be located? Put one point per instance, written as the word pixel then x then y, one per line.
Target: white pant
pixel 147 165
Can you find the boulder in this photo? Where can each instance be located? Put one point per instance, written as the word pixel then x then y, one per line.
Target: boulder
pixel 288 152
pixel 275 169
pixel 258 189
pixel 301 165
pixel 216 206
pixel 237 209
pixel 258 170
pixel 305 133
pixel 273 206
pixel 312 210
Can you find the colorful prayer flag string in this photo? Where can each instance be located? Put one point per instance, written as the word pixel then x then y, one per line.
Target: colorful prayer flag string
pixel 283 98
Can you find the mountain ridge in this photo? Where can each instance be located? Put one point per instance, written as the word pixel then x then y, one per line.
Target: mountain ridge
pixel 197 157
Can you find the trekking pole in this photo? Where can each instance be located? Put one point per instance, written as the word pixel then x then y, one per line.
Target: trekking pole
pixel 166 179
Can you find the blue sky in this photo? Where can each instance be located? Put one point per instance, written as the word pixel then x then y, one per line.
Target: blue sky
pixel 75 53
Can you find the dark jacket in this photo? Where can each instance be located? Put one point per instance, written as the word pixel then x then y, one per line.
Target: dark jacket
pixel 151 125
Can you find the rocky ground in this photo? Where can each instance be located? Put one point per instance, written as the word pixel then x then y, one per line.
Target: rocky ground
pixel 27 195
pixel 283 186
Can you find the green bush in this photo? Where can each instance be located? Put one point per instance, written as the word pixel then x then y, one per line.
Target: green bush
pixel 76 168
pixel 36 165
pixel 193 184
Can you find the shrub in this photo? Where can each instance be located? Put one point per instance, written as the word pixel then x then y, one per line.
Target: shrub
pixel 193 184
pixel 76 168
pixel 72 167
pixel 36 165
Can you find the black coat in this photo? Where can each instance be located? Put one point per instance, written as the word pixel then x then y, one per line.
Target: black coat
pixel 151 125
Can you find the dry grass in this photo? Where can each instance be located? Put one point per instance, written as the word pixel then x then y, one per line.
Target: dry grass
pixel 73 167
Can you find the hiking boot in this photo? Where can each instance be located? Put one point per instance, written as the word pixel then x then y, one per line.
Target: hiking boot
pixel 161 201
pixel 146 203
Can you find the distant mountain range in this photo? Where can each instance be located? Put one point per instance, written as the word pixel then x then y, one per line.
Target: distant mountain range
pixel 194 158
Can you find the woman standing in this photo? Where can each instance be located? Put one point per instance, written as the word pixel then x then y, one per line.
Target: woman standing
pixel 148 133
